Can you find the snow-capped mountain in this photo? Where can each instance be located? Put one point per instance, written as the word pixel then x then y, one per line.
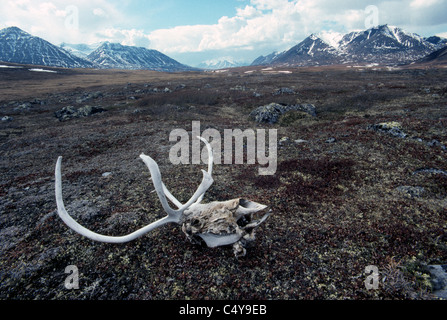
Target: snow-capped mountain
pixel 80 50
pixel 220 63
pixel 19 46
pixel 383 44
pixel 117 56
pixel 311 51
pixel 266 60
pixel 386 44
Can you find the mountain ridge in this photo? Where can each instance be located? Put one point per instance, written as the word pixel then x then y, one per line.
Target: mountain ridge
pixel 382 44
pixel 117 56
pixel 18 46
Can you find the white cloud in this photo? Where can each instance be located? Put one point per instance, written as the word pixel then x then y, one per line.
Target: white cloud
pixel 423 3
pixel 128 37
pixel 99 12
pixel 249 27
pixel 264 23
pixel 248 12
pixel 48 19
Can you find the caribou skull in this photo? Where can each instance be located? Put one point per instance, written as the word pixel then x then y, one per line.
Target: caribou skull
pixel 216 223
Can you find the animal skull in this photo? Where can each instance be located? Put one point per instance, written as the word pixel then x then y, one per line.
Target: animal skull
pixel 216 223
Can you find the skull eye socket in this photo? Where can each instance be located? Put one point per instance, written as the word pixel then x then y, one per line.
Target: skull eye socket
pixel 243 221
pixel 195 223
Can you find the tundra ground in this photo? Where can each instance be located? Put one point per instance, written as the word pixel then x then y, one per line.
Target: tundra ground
pixel 345 195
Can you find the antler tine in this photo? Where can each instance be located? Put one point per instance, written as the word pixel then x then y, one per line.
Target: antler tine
pixel 63 214
pixel 210 171
pixel 163 192
pixel 210 163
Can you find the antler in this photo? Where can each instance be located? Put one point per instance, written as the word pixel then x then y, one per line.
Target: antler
pixel 174 216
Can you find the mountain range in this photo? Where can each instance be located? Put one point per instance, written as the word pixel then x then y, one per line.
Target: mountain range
pixel 382 44
pixel 220 63
pixel 116 56
pixel 19 46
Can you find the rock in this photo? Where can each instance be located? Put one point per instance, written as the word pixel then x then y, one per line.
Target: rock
pixel 430 171
pixel 65 113
pixel 411 192
pixel 439 280
pixel 38 101
pixel 331 140
pixel 23 107
pixel 89 110
pixel 284 140
pixel 7 118
pixel 89 96
pixel 272 112
pixel 393 128
pixel 70 112
pixel 238 88
pixel 283 91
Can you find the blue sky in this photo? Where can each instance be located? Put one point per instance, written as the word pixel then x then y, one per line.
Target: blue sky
pixel 161 14
pixel 192 31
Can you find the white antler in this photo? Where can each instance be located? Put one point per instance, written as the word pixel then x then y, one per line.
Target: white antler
pixel 162 192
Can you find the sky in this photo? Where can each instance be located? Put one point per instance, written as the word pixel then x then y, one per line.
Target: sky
pixel 193 31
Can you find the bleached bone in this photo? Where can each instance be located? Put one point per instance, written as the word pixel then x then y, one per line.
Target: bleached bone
pixel 217 223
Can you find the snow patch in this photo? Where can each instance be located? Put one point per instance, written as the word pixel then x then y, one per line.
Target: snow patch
pixel 331 38
pixel 310 49
pixel 42 70
pixel 10 67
